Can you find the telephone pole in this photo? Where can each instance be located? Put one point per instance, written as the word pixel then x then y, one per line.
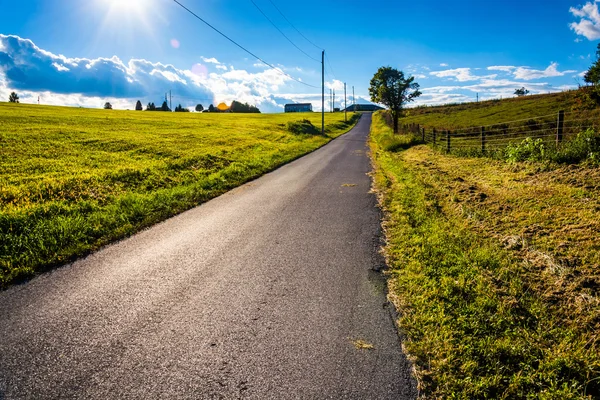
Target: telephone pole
pixel 345 104
pixel 323 93
pixel 330 101
pixel 170 101
pixel 353 100
pixel 333 104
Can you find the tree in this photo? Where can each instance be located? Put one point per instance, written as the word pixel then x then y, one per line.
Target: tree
pixel 165 106
pixel 592 75
pixel 211 108
pixel 150 107
pixel 237 107
pixel 521 92
pixel 107 106
pixel 13 98
pixel 179 108
pixel 390 88
pixel 138 106
pixel 199 107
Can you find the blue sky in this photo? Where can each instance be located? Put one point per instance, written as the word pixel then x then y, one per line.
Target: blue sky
pixel 83 53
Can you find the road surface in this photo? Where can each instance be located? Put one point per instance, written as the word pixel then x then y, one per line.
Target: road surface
pixel 263 293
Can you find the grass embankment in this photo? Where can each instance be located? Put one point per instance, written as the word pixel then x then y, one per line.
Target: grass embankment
pixel 491 112
pixel 495 271
pixel 72 180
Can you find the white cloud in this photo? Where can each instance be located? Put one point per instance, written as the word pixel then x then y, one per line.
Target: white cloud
pixel 211 60
pixel 504 68
pixel 550 72
pixel 222 67
pixel 459 74
pixel 335 85
pixel 443 65
pixel 60 67
pixel 589 24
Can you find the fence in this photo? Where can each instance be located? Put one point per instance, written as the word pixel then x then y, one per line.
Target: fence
pixel 554 128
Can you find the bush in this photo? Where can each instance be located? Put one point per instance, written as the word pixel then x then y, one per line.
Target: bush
pixel 304 127
pixel 584 146
pixel 528 150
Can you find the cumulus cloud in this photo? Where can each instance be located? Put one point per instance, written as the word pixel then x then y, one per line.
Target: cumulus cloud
pixel 443 65
pixel 459 74
pixel 527 73
pixel 25 66
pixel 60 80
pixel 589 20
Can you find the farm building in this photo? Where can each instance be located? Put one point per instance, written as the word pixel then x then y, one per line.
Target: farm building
pixel 298 107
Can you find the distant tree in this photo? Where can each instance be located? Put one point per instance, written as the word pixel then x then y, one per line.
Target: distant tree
pixel 138 106
pixel 107 106
pixel 211 108
pixel 13 98
pixel 150 107
pixel 199 107
pixel 165 106
pixel 179 108
pixel 391 88
pixel 521 92
pixel 336 109
pixel 237 107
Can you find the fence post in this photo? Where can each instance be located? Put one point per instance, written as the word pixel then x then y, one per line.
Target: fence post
pixel 483 139
pixel 418 129
pixel 434 136
pixel 423 135
pixel 560 126
pixel 448 141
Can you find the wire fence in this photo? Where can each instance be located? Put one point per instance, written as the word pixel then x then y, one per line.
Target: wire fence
pixel 551 129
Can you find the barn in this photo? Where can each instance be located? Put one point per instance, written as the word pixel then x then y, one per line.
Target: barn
pixel 298 107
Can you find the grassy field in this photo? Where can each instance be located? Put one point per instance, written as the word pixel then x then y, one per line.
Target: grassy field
pixel 495 111
pixel 72 180
pixel 494 269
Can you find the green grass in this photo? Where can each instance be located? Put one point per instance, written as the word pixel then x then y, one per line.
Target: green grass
pixel 494 271
pixel 73 180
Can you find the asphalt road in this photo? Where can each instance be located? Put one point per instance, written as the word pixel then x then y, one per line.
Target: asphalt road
pixel 261 293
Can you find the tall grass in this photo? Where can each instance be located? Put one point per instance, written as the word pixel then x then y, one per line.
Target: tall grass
pixel 478 319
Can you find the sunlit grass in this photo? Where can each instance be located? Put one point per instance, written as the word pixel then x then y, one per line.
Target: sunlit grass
pixel 72 180
pixel 494 271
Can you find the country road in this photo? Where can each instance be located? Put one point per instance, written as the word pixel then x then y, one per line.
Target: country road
pixel 262 293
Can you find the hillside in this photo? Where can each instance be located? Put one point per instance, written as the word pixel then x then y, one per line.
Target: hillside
pixel 72 180
pixel 494 265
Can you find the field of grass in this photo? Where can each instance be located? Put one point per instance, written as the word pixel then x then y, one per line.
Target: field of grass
pixel 495 111
pixel 73 180
pixel 494 269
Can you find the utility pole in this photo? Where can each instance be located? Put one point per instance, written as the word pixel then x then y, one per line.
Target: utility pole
pixel 478 97
pixel 333 106
pixel 323 93
pixel 345 104
pixel 170 101
pixel 353 100
pixel 330 101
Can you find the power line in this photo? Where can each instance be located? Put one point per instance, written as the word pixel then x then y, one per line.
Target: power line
pixel 330 67
pixel 283 34
pixel 292 25
pixel 242 47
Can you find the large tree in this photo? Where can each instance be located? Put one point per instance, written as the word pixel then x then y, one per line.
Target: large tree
pixel 138 106
pixel 107 106
pixel 592 75
pixel 13 98
pixel 390 88
pixel 199 107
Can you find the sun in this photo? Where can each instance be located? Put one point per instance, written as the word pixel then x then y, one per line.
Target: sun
pixel 126 6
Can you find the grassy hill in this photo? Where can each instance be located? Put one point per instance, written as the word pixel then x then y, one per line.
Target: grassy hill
pixel 72 180
pixel 494 265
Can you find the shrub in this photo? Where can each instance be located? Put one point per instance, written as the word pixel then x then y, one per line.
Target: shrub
pixel 528 150
pixel 304 127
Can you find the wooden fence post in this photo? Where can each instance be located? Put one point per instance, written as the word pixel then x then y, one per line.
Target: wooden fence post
pixel 560 126
pixel 448 141
pixel 434 135
pixel 483 139
pixel 423 135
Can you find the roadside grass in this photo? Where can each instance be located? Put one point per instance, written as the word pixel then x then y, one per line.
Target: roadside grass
pixel 494 269
pixel 73 180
